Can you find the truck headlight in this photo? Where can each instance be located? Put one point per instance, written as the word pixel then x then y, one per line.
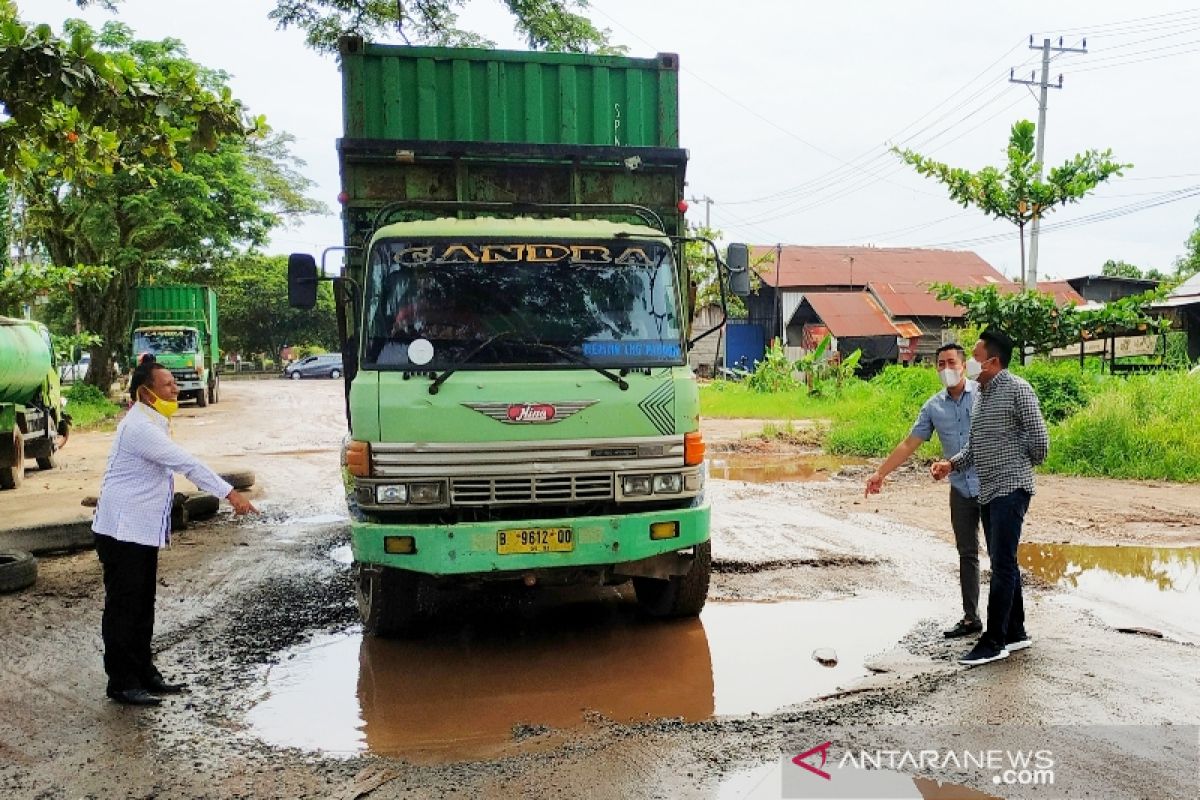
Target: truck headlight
pixel 635 485
pixel 391 493
pixel 671 483
pixel 424 493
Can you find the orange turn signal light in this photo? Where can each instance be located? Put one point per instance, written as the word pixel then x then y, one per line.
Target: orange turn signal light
pixel 358 459
pixel 399 545
pixel 693 449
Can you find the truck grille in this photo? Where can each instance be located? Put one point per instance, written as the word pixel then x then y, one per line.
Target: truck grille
pixel 531 489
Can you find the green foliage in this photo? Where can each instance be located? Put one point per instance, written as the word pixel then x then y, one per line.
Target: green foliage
pixel 21 284
pixel 774 373
pixel 1034 319
pixel 545 24
pixel 1062 387
pixel 78 110
pixel 1188 264
pixel 1120 269
pixel 306 350
pixel 1140 427
pixel 255 315
pixel 1015 192
pixel 183 206
pixel 88 406
pixel 67 348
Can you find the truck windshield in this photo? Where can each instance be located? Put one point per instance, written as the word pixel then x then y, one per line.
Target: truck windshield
pixel 614 303
pixel 164 342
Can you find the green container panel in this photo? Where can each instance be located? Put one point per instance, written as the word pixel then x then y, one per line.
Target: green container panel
pixel 463 94
pixel 25 360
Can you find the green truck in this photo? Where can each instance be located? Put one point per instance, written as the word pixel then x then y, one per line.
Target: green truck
pixel 178 326
pixel 33 420
pixel 515 313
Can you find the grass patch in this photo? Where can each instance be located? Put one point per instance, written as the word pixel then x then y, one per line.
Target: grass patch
pixel 1139 427
pixel 89 407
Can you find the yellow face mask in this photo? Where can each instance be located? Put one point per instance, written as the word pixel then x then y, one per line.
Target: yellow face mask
pixel 165 407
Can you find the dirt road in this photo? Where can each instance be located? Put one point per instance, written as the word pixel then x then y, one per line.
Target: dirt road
pixel 826 611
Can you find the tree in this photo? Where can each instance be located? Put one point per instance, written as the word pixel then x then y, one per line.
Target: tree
pixel 186 206
pixel 1188 264
pixel 1034 319
pixel 255 316
pixel 545 24
pixel 1120 269
pixel 80 109
pixel 1016 193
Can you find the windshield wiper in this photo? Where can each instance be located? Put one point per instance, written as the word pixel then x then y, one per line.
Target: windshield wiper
pixel 567 354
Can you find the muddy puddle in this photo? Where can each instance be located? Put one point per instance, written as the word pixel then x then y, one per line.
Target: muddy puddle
pixel 1145 587
pixel 501 683
pixel 758 468
pixel 766 783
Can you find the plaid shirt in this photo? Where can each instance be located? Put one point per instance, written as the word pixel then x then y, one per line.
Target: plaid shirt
pixel 1008 437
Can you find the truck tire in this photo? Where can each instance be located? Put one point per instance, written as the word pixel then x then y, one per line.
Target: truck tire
pixel 214 391
pixel 393 602
pixel 11 477
pixel 680 595
pixel 18 569
pixel 202 398
pixel 47 462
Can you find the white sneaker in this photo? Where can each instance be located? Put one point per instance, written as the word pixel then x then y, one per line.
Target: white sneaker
pixel 1020 644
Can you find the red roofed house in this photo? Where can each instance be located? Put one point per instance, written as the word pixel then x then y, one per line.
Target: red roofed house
pixel 871 298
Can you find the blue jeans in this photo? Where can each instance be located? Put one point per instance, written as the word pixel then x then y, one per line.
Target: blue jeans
pixel 1002 519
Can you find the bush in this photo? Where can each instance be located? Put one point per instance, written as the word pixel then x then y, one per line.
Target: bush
pixel 88 406
pixel 774 373
pixel 85 393
pixel 1141 427
pixel 1062 387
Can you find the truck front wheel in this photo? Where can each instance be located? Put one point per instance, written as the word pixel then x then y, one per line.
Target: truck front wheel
pixel 679 595
pixel 202 398
pixel 214 391
pixel 11 476
pixel 393 602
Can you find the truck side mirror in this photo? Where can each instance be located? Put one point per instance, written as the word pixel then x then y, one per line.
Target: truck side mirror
pixel 302 281
pixel 737 261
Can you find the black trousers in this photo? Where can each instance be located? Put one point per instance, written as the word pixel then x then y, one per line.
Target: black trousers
pixel 130 580
pixel 965 518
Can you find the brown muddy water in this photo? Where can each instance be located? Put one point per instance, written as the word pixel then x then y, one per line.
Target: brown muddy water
pixel 1145 587
pixel 757 468
pixel 495 686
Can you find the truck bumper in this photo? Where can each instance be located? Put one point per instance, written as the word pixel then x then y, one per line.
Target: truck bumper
pixel 471 548
pixel 189 386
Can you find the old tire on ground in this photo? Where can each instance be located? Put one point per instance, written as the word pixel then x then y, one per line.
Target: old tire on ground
pixel 393 602
pixel 239 479
pixel 18 569
pixel 202 398
pixel 201 506
pixel 681 595
pixel 11 477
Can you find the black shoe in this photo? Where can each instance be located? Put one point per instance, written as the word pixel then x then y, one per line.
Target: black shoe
pixel 158 685
pixel 1018 641
pixel 964 627
pixel 984 652
pixel 134 697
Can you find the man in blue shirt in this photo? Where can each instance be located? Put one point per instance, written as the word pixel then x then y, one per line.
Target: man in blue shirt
pixel 949 414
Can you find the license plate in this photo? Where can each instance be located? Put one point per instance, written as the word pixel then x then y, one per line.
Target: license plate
pixel 535 540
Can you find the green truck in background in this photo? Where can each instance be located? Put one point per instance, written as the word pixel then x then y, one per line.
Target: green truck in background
pixel 33 420
pixel 178 326
pixel 515 312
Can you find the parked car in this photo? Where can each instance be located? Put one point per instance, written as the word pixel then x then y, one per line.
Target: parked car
pixel 326 365
pixel 68 373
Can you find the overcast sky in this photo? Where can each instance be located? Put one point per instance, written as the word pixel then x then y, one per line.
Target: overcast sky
pixel 787 108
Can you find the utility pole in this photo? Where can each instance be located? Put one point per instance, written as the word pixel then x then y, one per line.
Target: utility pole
pixel 1030 276
pixel 708 201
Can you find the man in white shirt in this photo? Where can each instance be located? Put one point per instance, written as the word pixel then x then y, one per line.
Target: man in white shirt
pixel 133 520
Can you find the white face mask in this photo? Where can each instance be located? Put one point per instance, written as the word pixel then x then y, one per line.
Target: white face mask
pixel 973 368
pixel 950 377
